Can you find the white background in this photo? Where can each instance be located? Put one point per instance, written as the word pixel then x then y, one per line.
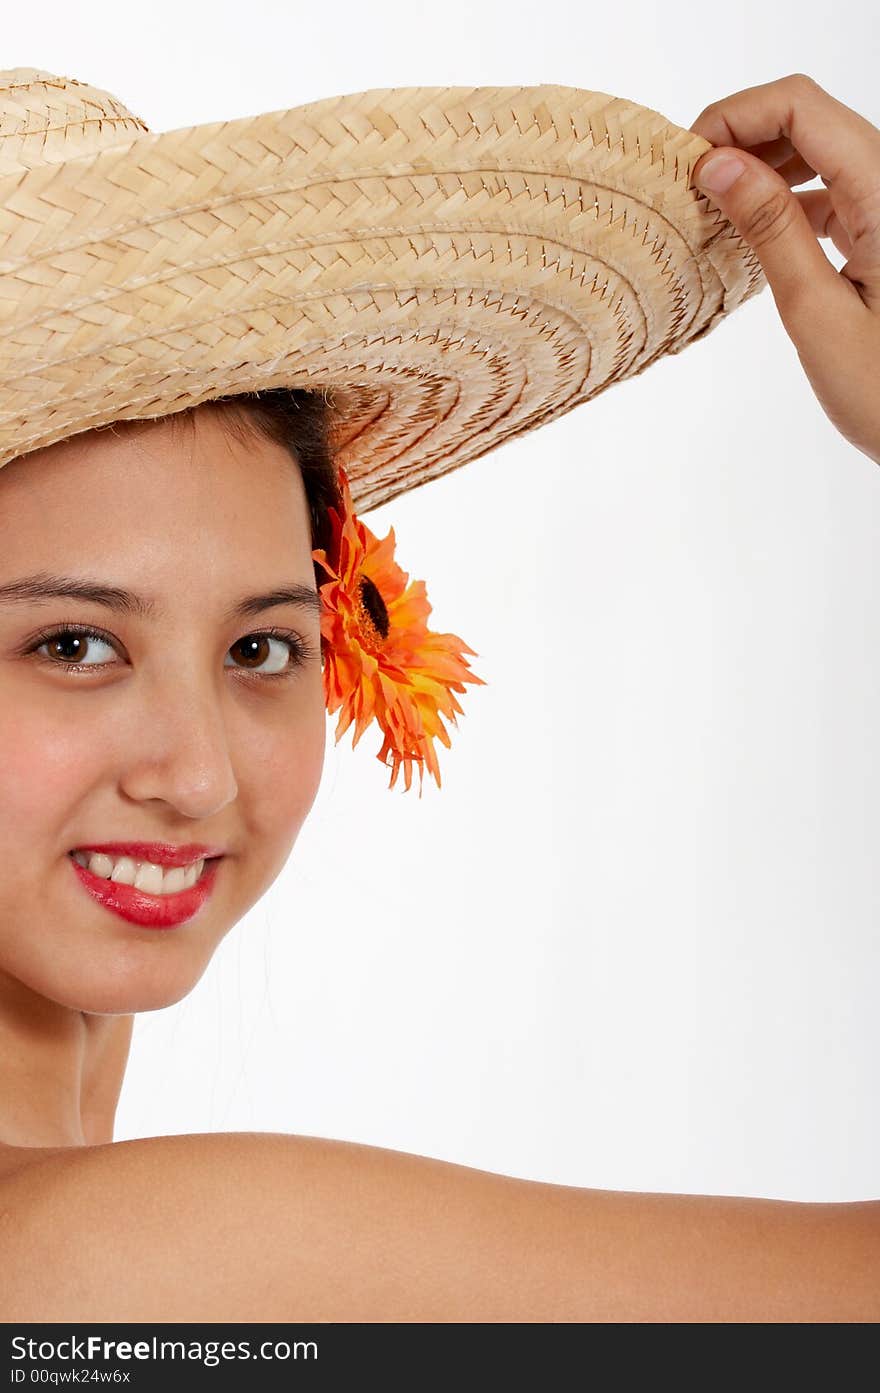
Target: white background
pixel 632 943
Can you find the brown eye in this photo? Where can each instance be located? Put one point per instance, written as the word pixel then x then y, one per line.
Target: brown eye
pixel 68 647
pixel 254 650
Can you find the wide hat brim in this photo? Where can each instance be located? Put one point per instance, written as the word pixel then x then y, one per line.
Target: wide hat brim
pixel 452 266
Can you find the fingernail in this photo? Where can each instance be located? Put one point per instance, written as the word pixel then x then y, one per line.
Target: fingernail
pixel 719 172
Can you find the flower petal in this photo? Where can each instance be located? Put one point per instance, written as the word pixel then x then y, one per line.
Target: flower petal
pixel 403 680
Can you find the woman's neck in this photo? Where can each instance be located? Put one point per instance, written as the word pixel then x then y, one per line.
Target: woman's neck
pixel 61 1070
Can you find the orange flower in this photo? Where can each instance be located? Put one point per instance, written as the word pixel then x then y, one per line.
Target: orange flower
pixel 381 661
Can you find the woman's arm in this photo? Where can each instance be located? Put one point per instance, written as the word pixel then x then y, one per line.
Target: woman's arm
pixel 783 134
pixel 266 1227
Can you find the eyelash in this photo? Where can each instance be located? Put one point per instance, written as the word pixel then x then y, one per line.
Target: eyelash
pixel 301 651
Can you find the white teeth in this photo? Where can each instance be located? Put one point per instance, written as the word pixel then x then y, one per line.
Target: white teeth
pixel 143 875
pixel 174 879
pixel 122 869
pixel 148 877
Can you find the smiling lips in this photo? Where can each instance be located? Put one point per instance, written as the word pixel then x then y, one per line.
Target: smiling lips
pixel 138 905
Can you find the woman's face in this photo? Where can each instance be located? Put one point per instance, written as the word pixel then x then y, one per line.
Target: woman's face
pixel 167 728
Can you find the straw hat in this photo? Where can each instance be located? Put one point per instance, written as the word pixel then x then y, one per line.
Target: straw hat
pixel 455 265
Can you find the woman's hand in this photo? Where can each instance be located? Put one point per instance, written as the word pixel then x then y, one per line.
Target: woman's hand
pixel 784 133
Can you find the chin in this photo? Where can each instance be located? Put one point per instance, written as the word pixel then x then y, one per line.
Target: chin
pixel 97 998
pixel 108 983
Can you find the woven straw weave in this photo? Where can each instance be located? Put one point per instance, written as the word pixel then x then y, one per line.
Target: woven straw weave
pixel 453 266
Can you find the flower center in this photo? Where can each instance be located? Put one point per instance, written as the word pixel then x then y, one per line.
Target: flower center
pixel 372 614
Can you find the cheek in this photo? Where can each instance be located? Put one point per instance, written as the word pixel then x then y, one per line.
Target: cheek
pixel 279 780
pixel 46 768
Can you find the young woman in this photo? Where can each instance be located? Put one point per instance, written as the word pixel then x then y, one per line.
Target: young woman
pixel 158 667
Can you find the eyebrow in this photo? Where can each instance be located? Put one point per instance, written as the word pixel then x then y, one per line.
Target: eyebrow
pixel 43 586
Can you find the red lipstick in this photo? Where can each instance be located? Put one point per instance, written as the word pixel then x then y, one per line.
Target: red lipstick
pixel 139 907
pixel 161 853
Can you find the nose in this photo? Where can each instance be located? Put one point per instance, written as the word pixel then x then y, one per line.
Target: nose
pixel 179 749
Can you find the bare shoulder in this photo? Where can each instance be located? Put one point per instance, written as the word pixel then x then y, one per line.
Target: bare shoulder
pixel 257 1227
